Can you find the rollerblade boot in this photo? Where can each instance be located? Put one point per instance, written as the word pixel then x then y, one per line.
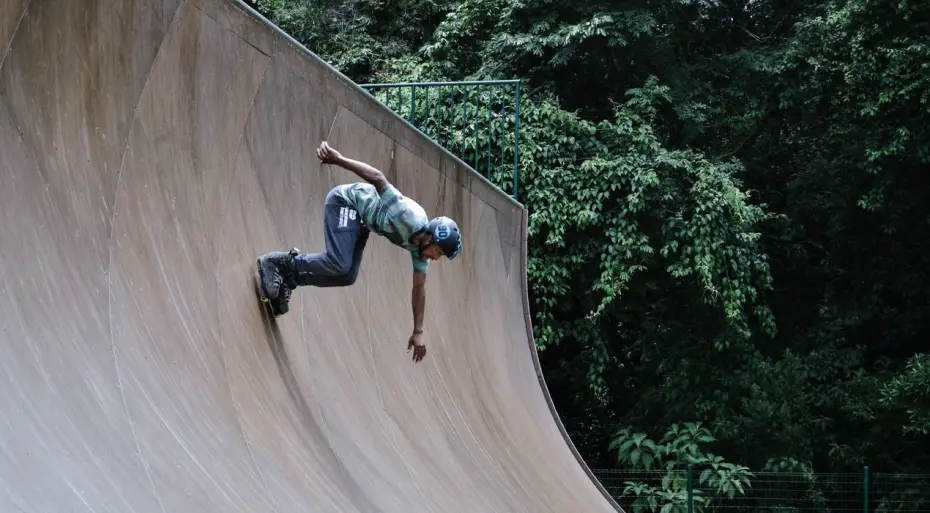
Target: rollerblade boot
pixel 278 273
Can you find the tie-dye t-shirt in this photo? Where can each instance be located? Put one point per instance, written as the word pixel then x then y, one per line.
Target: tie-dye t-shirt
pixel 389 214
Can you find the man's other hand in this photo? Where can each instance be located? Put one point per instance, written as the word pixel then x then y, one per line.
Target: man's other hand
pixel 416 343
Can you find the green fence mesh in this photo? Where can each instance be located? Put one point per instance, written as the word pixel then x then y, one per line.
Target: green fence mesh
pixel 700 490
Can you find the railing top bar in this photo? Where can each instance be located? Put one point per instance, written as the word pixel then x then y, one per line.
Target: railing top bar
pixel 429 84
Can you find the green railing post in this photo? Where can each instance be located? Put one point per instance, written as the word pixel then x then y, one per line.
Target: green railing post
pixel 865 489
pixel 690 489
pixel 516 141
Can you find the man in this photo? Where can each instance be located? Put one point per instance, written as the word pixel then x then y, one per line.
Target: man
pixel 351 211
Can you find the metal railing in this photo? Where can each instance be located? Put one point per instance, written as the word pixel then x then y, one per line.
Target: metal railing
pixel 477 121
pixel 688 490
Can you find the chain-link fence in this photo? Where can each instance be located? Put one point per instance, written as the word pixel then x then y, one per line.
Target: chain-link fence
pixel 703 490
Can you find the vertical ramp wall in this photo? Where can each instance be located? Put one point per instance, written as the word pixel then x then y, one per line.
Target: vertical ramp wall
pixel 149 151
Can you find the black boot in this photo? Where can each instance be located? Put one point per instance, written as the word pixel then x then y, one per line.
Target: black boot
pixel 281 304
pixel 278 273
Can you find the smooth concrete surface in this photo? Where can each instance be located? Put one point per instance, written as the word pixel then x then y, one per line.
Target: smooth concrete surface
pixel 149 151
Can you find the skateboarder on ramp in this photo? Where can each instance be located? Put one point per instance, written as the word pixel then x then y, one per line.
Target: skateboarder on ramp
pixel 351 212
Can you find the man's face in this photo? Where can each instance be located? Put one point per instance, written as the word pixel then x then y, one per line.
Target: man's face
pixel 433 252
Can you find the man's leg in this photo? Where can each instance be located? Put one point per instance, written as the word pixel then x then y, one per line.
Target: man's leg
pixel 335 280
pixel 337 266
pixel 345 237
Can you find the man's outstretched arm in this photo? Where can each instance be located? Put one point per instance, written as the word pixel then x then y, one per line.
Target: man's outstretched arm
pixel 328 155
pixel 418 302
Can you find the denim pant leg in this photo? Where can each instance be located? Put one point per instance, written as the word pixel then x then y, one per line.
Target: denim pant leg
pixel 346 238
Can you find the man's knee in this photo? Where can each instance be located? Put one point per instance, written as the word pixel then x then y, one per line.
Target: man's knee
pixel 348 279
pixel 340 267
pixel 352 274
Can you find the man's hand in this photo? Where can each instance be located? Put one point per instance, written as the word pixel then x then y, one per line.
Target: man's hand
pixel 418 302
pixel 328 155
pixel 416 343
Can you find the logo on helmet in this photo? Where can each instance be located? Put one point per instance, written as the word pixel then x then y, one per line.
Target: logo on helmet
pixel 442 232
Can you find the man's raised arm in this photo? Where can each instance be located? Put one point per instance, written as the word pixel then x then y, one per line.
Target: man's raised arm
pixel 328 155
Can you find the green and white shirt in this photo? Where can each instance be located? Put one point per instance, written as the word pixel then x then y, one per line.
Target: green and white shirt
pixel 389 214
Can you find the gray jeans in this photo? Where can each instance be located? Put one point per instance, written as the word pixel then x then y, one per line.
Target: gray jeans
pixel 346 237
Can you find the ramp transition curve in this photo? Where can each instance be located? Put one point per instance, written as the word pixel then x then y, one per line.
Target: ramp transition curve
pixel 149 150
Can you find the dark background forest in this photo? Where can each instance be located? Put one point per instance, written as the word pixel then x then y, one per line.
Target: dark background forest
pixel 730 212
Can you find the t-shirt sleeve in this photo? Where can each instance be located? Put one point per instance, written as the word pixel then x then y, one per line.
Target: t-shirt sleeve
pixel 390 196
pixel 419 264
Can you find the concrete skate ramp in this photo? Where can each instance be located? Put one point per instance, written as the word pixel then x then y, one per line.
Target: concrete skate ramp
pixel 149 150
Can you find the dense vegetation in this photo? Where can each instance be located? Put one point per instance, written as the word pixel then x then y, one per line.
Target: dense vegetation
pixel 730 210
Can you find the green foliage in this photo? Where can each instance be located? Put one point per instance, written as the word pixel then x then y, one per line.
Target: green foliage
pixel 713 478
pixel 911 391
pixel 356 36
pixel 615 212
pixel 833 134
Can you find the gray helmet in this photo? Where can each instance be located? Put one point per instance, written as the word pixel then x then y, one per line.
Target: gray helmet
pixel 446 234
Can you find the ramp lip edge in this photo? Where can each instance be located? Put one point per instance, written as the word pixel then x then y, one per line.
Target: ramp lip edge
pixel 250 11
pixel 531 340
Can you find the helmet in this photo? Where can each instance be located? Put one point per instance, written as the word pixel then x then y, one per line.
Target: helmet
pixel 446 234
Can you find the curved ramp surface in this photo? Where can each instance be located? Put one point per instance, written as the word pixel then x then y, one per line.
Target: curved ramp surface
pixel 149 151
